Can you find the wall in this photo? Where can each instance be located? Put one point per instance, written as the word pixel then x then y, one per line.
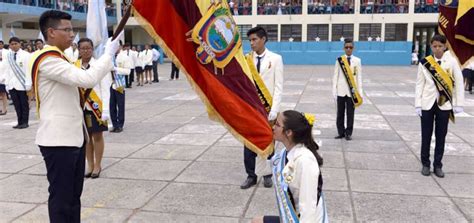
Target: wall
pixel 371 53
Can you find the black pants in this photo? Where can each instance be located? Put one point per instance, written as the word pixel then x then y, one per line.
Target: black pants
pixel 65 172
pixel 271 219
pixel 22 107
pixel 441 120
pixel 174 71
pixel 117 108
pixel 129 78
pixel 249 162
pixel 155 71
pixel 345 104
pixel 469 77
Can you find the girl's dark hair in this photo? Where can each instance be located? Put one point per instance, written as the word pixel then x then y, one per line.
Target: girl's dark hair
pixel 302 132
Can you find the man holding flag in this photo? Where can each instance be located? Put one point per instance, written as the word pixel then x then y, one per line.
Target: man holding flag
pixel 61 134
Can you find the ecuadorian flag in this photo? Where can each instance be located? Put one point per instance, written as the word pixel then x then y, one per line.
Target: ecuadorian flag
pixel 227 90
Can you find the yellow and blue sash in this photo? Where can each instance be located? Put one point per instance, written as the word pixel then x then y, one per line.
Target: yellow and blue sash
pixel 91 98
pixel 350 78
pixel 36 59
pixel 284 200
pixel 262 90
pixel 443 80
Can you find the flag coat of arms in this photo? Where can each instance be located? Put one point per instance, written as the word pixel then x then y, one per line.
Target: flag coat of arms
pixel 203 40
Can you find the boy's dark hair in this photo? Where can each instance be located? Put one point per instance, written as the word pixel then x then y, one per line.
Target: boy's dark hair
pixel 14 39
pixel 348 40
pixel 51 19
pixel 1 41
pixel 39 40
pixel 439 38
pixel 259 31
pixel 83 40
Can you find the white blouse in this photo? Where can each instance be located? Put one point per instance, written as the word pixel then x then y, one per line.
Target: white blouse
pixel 303 168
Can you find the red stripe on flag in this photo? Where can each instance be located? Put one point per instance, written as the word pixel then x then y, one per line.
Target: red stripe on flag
pixel 245 117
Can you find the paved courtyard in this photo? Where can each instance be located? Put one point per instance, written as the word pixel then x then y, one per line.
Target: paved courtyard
pixel 172 164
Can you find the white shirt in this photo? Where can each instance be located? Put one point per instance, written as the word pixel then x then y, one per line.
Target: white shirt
pixel 271 71
pixel 72 55
pixel 339 82
pixel 304 168
pixel 10 78
pixel 426 92
pixel 124 60
pixel 147 57
pixel 414 57
pixel 156 54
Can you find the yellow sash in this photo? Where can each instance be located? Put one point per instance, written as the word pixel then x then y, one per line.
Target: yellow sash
pixel 347 71
pixel 262 90
pixel 35 61
pixel 93 100
pixel 443 81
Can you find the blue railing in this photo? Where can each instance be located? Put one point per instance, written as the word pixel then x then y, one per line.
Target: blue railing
pixel 371 53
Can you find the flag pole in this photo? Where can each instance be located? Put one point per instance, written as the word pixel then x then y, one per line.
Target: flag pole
pixel 123 21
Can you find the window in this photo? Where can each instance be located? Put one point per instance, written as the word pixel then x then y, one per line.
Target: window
pixel 242 7
pixel 291 31
pixel 243 31
pixel 396 32
pixel 369 30
pixel 318 30
pixel 272 31
pixel 342 30
pixel 277 7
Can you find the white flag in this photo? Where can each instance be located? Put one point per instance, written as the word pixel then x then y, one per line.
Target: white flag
pixel 40 36
pixel 12 32
pixel 76 39
pixel 97 25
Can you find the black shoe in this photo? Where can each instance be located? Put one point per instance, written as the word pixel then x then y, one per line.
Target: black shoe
pixel 425 171
pixel 119 129
pixel 348 137
pixel 96 175
pixel 23 126
pixel 438 172
pixel 267 181
pixel 113 129
pixel 16 126
pixel 339 137
pixel 248 183
pixel 88 175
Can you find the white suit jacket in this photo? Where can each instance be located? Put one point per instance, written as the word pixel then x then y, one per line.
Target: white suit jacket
pixel 11 81
pixel 125 59
pixel 271 71
pixel 61 116
pixel 339 82
pixel 147 57
pixel 426 93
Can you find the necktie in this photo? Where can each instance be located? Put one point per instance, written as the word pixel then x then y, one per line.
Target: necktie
pixel 128 52
pixel 14 56
pixel 258 63
pixel 146 51
pixel 349 60
pixel 439 62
